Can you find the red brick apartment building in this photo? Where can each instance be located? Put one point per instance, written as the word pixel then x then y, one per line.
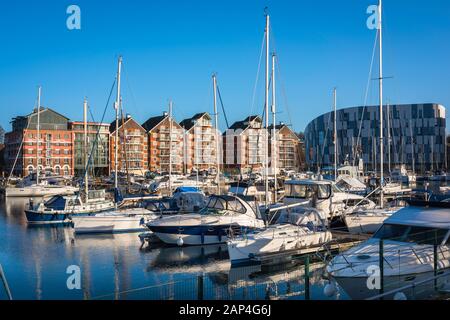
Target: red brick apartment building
pixel 132 147
pixel 55 150
pixel 200 151
pixel 159 153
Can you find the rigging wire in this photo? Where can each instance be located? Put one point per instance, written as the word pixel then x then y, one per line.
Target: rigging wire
pixel 223 107
pixel 366 95
pixel 257 73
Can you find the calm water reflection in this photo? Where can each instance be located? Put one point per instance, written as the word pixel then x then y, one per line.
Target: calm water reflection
pixel 114 267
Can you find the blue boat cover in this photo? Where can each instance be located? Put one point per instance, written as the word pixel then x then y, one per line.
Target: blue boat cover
pixel 187 189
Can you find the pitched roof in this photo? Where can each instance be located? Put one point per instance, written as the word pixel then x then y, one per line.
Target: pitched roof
pixel 112 126
pixel 244 123
pixel 188 123
pixel 43 109
pixel 153 122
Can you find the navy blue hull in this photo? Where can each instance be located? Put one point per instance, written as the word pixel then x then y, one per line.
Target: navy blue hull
pixel 220 231
pixel 44 218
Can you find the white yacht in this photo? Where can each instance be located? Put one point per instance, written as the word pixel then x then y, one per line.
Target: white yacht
pixel 324 196
pixel 368 221
pixel 305 229
pixel 408 236
pixel 43 189
pixel 185 199
pixel 401 175
pixel 223 214
pixel 121 220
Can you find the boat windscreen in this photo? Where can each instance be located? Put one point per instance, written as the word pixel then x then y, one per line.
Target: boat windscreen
pixel 411 234
pixel 307 191
pixel 218 203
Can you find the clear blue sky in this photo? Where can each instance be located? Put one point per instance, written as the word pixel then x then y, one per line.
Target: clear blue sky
pixel 171 48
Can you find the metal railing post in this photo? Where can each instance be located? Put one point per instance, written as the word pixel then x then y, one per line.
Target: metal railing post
pixel 307 294
pixel 200 287
pixel 381 265
pixel 435 264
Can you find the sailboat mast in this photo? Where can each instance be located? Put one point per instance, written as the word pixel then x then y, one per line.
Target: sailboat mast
pixel 216 133
pixel 380 26
pixel 86 158
pixel 274 131
pixel 117 104
pixel 389 137
pixel 335 135
pixel 38 127
pixel 170 148
pixel 266 115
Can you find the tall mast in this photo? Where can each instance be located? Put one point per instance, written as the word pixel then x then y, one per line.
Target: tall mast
pixel 216 132
pixel 86 158
pixel 274 130
pixel 38 127
pixel 117 104
pixel 335 135
pixel 170 147
pixel 389 137
pixel 266 142
pixel 380 26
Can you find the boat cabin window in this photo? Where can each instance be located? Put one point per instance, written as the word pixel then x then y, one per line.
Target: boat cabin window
pixel 218 203
pixel 411 234
pixel 323 191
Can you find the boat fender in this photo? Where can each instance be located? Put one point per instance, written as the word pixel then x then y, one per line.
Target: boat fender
pixel 330 289
pixel 142 221
pixel 180 242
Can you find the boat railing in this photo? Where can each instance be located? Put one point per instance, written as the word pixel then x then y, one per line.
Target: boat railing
pixel 413 287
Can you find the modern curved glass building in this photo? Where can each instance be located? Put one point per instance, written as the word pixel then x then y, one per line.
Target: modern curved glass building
pixel 414 135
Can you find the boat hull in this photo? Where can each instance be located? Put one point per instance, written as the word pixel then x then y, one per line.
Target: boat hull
pixel 357 287
pixel 193 235
pixel 363 224
pixel 32 192
pixel 108 225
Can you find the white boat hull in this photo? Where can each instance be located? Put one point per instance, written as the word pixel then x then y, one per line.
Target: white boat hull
pixel 357 224
pixel 39 191
pixel 112 223
pixel 270 241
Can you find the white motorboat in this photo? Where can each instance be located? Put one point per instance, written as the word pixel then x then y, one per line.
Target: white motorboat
pixel 122 220
pixel 368 221
pixel 409 237
pixel 223 214
pixel 184 200
pixel 324 196
pixel 401 175
pixel 299 230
